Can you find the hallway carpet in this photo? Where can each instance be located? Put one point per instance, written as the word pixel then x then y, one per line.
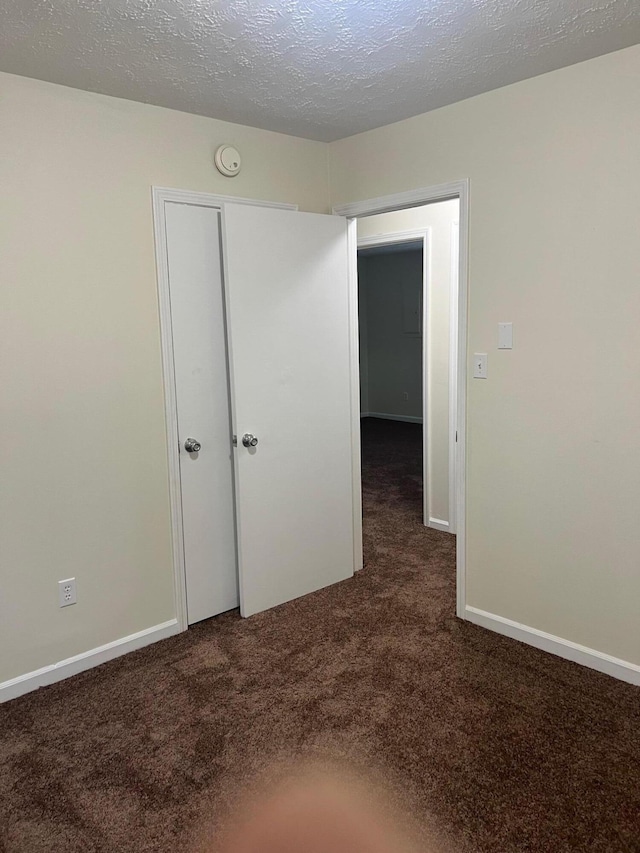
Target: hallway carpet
pixel 503 748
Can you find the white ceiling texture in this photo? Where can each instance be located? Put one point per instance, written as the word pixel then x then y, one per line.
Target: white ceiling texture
pixel 321 69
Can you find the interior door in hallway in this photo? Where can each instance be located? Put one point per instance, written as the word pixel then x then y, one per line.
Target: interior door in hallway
pixel 288 319
pixel 202 397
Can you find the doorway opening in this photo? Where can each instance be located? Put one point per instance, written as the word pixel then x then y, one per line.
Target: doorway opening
pixel 390 299
pixel 412 451
pixel 406 269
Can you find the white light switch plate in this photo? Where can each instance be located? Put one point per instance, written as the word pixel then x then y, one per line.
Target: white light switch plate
pixel 505 335
pixel 479 365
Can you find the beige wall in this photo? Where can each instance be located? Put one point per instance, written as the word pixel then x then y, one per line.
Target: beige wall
pixel 439 219
pixel 553 539
pixel 84 475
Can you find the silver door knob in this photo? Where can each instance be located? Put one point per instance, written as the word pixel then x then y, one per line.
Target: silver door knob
pixel 192 446
pixel 249 440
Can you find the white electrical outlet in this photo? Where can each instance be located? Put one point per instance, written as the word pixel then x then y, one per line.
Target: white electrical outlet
pixel 67 592
pixel 405 395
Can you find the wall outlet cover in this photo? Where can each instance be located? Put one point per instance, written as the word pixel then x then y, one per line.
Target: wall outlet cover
pixel 67 592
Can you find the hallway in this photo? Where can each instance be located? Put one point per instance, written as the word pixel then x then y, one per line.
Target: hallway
pixel 392 492
pixel 392 460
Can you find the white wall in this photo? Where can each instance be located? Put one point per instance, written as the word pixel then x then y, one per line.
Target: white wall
pixel 553 488
pixel 439 219
pixel 393 357
pixel 84 474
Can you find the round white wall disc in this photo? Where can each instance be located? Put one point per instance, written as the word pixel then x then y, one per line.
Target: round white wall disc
pixel 227 160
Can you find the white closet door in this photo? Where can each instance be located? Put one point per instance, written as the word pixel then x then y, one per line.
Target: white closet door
pixel 202 390
pixel 287 302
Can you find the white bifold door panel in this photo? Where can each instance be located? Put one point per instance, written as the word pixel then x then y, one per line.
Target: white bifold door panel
pixel 288 323
pixel 202 396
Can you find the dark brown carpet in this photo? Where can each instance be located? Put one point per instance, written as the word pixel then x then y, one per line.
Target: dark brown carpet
pixel 506 748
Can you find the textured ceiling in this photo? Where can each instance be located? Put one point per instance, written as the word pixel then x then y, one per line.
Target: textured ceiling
pixel 322 69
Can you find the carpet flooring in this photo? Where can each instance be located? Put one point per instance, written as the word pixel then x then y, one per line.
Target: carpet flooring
pixel 498 746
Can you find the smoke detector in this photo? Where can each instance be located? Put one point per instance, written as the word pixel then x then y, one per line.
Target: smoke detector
pixel 227 160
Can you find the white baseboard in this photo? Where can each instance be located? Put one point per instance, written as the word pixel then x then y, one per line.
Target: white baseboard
pixel 615 667
pixel 439 524
pixel 86 660
pixel 410 419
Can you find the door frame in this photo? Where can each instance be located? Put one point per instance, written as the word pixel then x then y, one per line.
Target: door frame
pixel 458 421
pixel 160 197
pixel 422 235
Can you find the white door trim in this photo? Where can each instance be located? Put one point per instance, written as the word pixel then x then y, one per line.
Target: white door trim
pixel 160 196
pixel 390 239
pixel 422 235
pixel 399 201
pixel 453 372
pixel 354 357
